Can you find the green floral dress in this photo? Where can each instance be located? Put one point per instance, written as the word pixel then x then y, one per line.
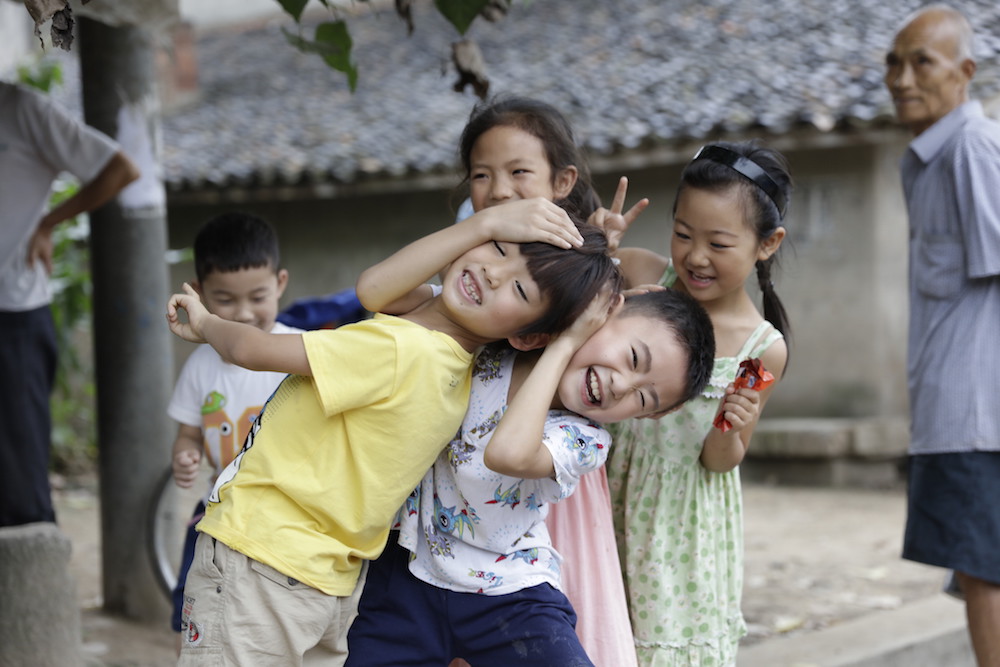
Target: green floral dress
pixel 680 527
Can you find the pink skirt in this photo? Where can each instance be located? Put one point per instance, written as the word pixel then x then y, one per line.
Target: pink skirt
pixel 583 533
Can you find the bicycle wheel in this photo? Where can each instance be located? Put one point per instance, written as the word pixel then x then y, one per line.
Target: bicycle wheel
pixel 168 518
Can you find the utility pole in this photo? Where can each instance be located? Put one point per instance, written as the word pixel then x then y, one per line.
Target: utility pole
pixel 132 350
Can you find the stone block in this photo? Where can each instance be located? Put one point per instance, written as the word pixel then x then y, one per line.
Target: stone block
pixel 38 603
pixel 885 437
pixel 802 438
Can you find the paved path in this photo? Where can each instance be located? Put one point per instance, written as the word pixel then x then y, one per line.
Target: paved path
pixel 821 565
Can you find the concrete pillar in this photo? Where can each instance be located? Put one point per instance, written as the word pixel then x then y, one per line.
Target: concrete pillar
pixel 132 347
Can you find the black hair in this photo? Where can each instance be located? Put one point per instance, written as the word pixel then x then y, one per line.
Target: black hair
pixel 570 278
pixel 690 326
pixel 234 241
pixel 544 122
pixel 761 213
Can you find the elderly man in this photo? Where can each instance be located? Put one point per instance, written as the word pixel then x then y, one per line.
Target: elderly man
pixel 950 174
pixel 38 141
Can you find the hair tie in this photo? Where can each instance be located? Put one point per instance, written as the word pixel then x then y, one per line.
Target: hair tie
pixel 748 169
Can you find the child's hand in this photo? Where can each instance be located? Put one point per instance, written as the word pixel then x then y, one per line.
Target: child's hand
pixel 191 304
pixel 186 467
pixel 528 220
pixel 740 407
pixel 590 320
pixel 613 221
pixel 643 289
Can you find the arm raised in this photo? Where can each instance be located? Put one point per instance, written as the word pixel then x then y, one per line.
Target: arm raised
pixel 237 343
pixel 517 447
pixel 520 221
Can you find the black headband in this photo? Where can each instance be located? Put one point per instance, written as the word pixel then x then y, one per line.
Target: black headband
pixel 746 167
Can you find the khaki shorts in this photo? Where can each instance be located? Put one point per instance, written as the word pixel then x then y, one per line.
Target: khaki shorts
pixel 238 611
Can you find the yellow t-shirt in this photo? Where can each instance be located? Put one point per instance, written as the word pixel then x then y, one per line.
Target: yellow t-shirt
pixel 333 457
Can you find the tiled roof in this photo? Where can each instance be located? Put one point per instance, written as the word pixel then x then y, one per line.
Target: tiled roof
pixel 630 74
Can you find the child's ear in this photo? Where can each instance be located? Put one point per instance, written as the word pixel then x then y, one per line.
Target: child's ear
pixel 197 288
pixel 617 303
pixel 526 342
pixel 564 181
pixel 770 245
pixel 282 281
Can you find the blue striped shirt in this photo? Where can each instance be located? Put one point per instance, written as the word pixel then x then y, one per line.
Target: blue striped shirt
pixel 951 179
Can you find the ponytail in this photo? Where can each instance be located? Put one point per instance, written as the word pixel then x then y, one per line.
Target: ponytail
pixel 774 310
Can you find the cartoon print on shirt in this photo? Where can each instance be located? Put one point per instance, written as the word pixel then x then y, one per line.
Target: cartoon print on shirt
pixel 529 556
pixel 587 447
pixel 413 502
pixel 532 503
pixel 487 365
pixel 511 496
pixel 229 472
pixel 222 435
pixel 492 578
pixel 451 522
pixel 438 545
pixel 488 425
pixel 459 452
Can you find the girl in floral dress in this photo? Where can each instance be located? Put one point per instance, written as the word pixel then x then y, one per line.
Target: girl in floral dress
pixel 674 482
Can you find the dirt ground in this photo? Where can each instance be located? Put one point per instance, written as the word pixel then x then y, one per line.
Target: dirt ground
pixel 814 557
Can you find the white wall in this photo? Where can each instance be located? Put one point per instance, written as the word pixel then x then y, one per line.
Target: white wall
pixel 16 37
pixel 220 12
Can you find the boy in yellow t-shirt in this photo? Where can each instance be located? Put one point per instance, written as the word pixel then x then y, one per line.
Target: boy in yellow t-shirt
pixel 345 439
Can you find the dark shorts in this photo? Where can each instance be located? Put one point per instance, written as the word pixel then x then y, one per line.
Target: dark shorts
pixel 403 621
pixel 27 371
pixel 187 557
pixel 953 517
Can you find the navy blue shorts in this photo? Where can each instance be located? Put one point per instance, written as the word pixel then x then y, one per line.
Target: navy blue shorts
pixel 403 621
pixel 27 371
pixel 187 557
pixel 953 517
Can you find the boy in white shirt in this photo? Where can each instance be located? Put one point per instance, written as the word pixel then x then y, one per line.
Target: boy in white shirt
pixel 239 278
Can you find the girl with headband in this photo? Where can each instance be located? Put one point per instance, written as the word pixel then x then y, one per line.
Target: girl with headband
pixel 675 484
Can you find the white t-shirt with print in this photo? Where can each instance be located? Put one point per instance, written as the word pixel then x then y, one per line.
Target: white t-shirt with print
pixel 473 530
pixel 222 399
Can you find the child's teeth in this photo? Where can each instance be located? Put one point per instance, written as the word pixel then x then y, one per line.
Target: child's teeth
pixel 595 387
pixel 470 287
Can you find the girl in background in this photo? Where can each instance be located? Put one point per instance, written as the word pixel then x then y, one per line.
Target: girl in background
pixel 504 149
pixel 675 484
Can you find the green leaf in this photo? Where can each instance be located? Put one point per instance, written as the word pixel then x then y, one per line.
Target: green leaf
pixel 294 7
pixel 460 13
pixel 333 44
pixel 43 75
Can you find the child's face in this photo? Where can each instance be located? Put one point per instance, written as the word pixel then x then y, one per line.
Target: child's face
pixel 249 296
pixel 713 249
pixel 490 292
pixel 508 163
pixel 630 367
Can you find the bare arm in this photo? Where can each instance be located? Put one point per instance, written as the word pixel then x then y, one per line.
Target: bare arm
pixel 721 452
pixel 640 266
pixel 520 221
pixel 517 447
pixel 117 173
pixel 237 343
pixel 187 455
